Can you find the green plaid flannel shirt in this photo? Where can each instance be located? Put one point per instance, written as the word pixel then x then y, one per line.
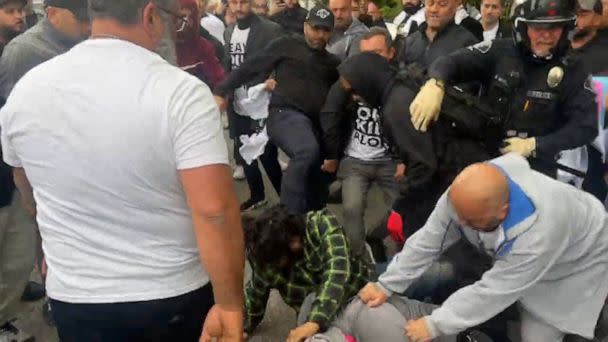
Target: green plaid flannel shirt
pixel 327 270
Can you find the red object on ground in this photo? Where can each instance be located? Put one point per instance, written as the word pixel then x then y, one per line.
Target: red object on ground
pixel 394 226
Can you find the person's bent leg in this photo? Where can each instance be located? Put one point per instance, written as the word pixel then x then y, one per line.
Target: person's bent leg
pixel 355 186
pixel 293 132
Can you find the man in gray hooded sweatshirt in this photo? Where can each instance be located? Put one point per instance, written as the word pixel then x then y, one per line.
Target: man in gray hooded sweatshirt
pixel 549 243
pixel 348 31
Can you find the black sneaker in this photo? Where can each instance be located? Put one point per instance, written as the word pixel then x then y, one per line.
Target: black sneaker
pixel 33 292
pixel 252 204
pixel 10 333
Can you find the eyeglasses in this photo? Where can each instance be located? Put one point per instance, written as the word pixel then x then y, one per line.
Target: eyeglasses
pixel 181 20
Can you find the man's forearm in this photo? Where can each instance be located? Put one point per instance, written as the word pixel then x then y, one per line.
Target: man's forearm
pixel 222 252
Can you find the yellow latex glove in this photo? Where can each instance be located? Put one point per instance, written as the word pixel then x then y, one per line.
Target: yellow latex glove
pixel 427 104
pixel 523 147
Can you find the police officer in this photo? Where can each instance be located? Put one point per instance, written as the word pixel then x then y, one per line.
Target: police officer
pixel 546 94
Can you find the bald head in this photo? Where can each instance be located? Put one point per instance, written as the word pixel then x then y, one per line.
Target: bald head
pixel 480 196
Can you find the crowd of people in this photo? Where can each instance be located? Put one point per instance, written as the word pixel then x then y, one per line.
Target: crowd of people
pixel 482 127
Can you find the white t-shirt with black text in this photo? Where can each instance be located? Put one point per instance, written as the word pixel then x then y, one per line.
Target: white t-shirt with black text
pixel 102 143
pixel 366 141
pixel 238 46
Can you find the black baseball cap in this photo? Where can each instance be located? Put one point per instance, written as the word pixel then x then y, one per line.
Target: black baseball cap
pixel 321 16
pixel 80 8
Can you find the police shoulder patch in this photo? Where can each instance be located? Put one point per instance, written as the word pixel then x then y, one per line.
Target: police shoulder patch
pixel 482 47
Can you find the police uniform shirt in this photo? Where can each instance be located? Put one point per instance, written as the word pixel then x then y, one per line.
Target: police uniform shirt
pixel 550 100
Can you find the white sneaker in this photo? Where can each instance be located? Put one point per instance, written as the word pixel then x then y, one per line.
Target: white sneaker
pixel 238 173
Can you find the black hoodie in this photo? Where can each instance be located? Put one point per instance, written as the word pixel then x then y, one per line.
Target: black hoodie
pixel 337 116
pixel 372 77
pixel 433 158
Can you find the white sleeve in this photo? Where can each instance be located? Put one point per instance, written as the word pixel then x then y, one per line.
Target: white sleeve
pixel 195 127
pixel 421 250
pixel 499 287
pixel 9 155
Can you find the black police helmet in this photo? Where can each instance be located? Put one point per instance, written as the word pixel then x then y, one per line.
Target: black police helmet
pixel 544 12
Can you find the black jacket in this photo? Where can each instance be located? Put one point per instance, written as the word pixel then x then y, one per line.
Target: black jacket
pixel 338 115
pixel 505 30
pixel 418 48
pixel 291 19
pixel 594 54
pixel 262 32
pixel 562 117
pixel 473 26
pixel 304 75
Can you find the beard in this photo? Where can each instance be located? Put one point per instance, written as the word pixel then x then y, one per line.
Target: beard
pixel 166 47
pixel 411 9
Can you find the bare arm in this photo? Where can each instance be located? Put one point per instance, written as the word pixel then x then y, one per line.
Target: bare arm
pixel 25 190
pixel 217 226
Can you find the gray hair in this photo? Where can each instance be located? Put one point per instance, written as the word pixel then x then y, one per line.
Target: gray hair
pixel 127 12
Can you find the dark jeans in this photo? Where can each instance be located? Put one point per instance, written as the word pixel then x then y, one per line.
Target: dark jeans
pixel 305 187
pixel 173 319
pixel 253 175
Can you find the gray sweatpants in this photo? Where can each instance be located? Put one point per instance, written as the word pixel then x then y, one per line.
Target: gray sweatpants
pixel 385 323
pixel 357 178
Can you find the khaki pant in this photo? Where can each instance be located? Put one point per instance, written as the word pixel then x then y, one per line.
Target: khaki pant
pixel 17 256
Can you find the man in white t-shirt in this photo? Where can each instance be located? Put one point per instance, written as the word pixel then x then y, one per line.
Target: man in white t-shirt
pixel 493 28
pixel 134 197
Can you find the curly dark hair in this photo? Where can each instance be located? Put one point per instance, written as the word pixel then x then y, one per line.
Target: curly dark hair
pixel 267 236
